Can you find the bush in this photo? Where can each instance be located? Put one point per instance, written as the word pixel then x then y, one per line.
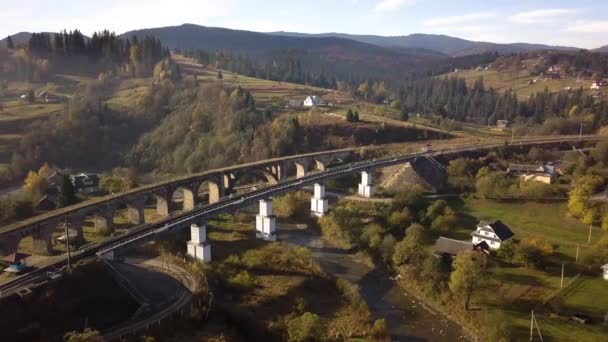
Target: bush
pixel 243 279
pixel 372 236
pixel 534 250
pixel 351 293
pixel 306 327
pixel 380 330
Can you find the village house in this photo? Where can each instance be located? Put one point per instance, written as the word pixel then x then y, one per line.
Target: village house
pixel 449 248
pixel 492 233
pixel 553 73
pixel 545 173
pixel 312 101
pixel 502 123
pixel 85 183
pixel 596 85
pixel 605 269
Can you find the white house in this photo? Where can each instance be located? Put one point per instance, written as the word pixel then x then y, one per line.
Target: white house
pixel 599 84
pixel 605 268
pixel 493 233
pixel 312 101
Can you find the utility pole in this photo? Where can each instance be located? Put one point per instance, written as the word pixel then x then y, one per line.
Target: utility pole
pixel 512 134
pixel 577 252
pixel 531 325
pixel 589 240
pixel 561 286
pixel 67 244
pixel 580 132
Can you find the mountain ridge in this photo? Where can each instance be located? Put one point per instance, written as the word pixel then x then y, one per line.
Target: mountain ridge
pixel 452 46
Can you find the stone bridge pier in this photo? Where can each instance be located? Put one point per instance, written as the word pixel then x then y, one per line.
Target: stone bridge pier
pixel 162 203
pixel 42 239
pixel 9 243
pixel 135 211
pixel 104 219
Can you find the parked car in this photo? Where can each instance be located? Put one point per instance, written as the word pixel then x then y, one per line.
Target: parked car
pixel 581 318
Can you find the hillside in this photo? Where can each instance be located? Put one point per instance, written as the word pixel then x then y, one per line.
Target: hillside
pixel 18 38
pixel 340 54
pixel 447 45
pixel 525 84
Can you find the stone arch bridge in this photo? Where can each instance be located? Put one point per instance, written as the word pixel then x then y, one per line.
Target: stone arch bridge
pixel 194 189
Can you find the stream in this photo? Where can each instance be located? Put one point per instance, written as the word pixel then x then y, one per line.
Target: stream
pixel 407 318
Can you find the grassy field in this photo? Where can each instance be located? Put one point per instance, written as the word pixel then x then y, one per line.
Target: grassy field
pixel 524 84
pixel 266 92
pixel 549 220
pixel 517 290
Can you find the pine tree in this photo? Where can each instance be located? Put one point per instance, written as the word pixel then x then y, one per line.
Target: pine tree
pixel 9 42
pixel 67 193
pixel 220 75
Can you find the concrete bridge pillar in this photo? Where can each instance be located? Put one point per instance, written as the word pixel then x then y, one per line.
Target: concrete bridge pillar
pixel 265 222
pixel 43 241
pixel 366 189
pixel 135 212
pixel 318 202
pixel 198 247
pixel 162 204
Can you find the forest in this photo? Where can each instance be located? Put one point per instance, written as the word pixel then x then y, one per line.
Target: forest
pixel 47 54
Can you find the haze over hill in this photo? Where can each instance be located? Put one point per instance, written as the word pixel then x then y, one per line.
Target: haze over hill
pixel 441 43
pixel 241 41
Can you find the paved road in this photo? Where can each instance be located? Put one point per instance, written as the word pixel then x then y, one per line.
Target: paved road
pixel 169 289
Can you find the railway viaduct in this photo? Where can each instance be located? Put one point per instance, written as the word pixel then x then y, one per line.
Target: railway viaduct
pixel 220 183
pixel 215 184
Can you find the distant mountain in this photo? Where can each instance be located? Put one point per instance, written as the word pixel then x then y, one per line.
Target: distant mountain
pixel 18 39
pixel 441 43
pixel 196 36
pixel 602 49
pixel 334 52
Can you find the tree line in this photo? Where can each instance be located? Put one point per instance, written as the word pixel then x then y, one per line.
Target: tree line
pixel 452 98
pixel 48 53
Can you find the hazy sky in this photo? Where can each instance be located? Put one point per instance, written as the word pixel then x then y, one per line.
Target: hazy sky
pixel 582 23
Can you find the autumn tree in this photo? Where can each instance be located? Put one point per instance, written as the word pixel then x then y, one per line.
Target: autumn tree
pixel 468 275
pixel 583 188
pixel 533 250
pixel 364 90
pixel 35 184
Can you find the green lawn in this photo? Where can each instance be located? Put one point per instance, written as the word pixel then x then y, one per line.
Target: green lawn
pixel 517 290
pixel 549 220
pixel 589 295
